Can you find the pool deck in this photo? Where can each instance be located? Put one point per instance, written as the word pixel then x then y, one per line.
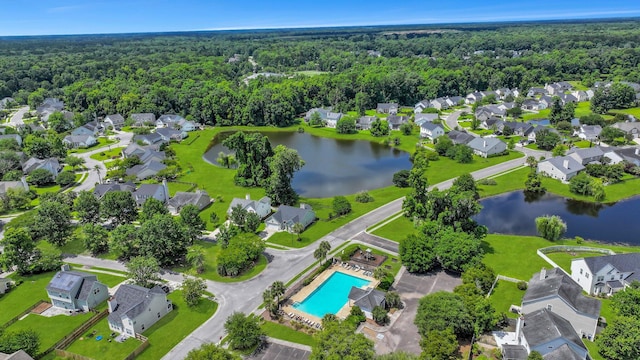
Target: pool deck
pixel 307 290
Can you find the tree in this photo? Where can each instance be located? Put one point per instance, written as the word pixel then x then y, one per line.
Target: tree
pixel 244 331
pixel 532 162
pixel 616 96
pixel 321 252
pixel 196 258
pixel 316 119
pixel 225 160
pixel 253 152
pixel 466 183
pixel 401 178
pixel 406 129
pixel 40 177
pixel 414 203
pixel 534 355
pixel 192 290
pixel 441 310
pixel 66 178
pixel 581 184
pixel 547 140
pixel 380 316
pixel 211 351
pixel 97 170
pixel 283 165
pixel 225 233
pixel 278 288
pixel 190 218
pixel 270 303
pixel 346 126
pixel 379 128
pixel 19 249
pixel 627 302
pixel 57 122
pixel 163 238
pixel 297 229
pixel 392 300
pixel 87 207
pixel 53 222
pixel 124 241
pixel 480 275
pixel 443 145
pixel 338 340
pixel 95 238
pixel 620 340
pixel 555 113
pixel 462 153
pixel 550 227
pixel 610 134
pixel 533 184
pixel 381 273
pixel 26 340
pixel 515 112
pixel 418 254
pixel 440 345
pixel 341 206
pixel 558 150
pixel 150 208
pixel 119 207
pixel 143 270
pixel 74 161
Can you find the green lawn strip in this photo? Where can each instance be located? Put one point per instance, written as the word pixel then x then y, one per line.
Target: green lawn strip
pixel 50 329
pixel 445 168
pixel 384 222
pixel 593 350
pixel 108 154
pixel 396 230
pixel 212 251
pixel 504 295
pixel 24 295
pixel 175 187
pixel 389 262
pixel 583 144
pixel 102 142
pixel 284 332
pixel 615 192
pixel 631 111
pixel 74 245
pixel 577 85
pixel 176 325
pixel 582 109
pixel 46 189
pixel 103 349
pixel 505 183
pixel 563 259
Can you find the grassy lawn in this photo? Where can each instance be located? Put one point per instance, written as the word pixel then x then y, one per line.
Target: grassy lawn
pixel 504 295
pixel 507 182
pixel 563 259
pixel 212 251
pixel 46 189
pixel 283 332
pixel 445 168
pixel 24 295
pixel 396 230
pixel 582 109
pixel 102 142
pixel 176 325
pixel 631 111
pixel 583 144
pixel 50 329
pixel 577 85
pixel 108 154
pixel 103 349
pixel 174 187
pixel 310 72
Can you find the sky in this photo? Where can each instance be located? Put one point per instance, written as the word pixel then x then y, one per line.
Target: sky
pixel 61 17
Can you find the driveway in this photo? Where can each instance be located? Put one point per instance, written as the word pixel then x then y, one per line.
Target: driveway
pixel 403 334
pixel 16 118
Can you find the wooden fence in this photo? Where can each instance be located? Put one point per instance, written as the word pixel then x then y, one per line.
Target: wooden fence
pixel 75 334
pixel 137 351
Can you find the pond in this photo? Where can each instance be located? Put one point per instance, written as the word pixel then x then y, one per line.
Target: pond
pixel 513 213
pixel 333 167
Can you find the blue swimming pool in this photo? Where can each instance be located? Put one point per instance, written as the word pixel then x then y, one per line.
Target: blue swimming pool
pixel 331 295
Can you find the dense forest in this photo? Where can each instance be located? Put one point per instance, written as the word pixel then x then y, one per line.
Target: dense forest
pixel 191 74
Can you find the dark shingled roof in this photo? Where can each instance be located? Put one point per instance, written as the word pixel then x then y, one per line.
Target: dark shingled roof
pixel 18 355
pixel 557 283
pixel 514 352
pixel 85 289
pixel 289 214
pixel 366 299
pixel 132 300
pixel 543 326
pixel 563 352
pixel 622 262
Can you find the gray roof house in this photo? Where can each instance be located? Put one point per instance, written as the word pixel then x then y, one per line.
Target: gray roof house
pixel 630 155
pixel 144 153
pixel 5 101
pixel 551 335
pixel 364 122
pixel 587 155
pixel 168 120
pixel 430 130
pixel 133 309
pixel 18 355
pixel 421 106
pixel 632 128
pixel 146 170
pixel 200 199
pixel 326 115
pixel 52 165
pixel 387 108
pixel 396 120
pixel 589 132
pixel 287 216
pixel 261 207
pixel 556 291
pixel 366 299
pixel 6 185
pixel 159 192
pixel 606 274
pixel 426 117
pixel 75 290
pixel 79 141
pixel 115 120
pixel 15 137
pixel 460 137
pixel 562 168
pixel 143 119
pixel 486 147
pixel 149 139
pixel 102 189
pixel 168 134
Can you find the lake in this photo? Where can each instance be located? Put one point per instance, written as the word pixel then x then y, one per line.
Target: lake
pixel 512 213
pixel 333 167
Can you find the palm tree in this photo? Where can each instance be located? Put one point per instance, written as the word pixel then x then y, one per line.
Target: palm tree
pixel 195 257
pixel 380 273
pixel 269 304
pixel 297 229
pixel 277 290
pixel 97 169
pixel 323 249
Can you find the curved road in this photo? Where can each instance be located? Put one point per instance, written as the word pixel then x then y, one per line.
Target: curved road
pixel 16 118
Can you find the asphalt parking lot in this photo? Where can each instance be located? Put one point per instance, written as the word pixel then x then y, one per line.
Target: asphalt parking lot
pixel 281 352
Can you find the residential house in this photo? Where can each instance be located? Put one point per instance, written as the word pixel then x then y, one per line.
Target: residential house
pixel 632 128
pixel 75 290
pixel 52 165
pixel 146 170
pixel 188 125
pixel 6 185
pixel 395 121
pixel 473 98
pixel 133 309
pixel 287 216
pixel 5 285
pixel 387 108
pixel 533 105
pixel 518 128
pixel 424 104
pixel 486 147
pixel 102 189
pixel 159 192
pixel 460 137
pixel 532 136
pixel 557 292
pixel 199 199
pixel 431 130
pixel 630 155
pixel 261 207
pixel 606 274
pixel 562 168
pixel 426 117
pixel 455 100
pixel 588 132
pixel 547 333
pixel 558 88
pixel 440 103
pixel 149 139
pixel 168 120
pixel 5 101
pixel 145 154
pixel 18 355
pixel 143 119
pixel 168 134
pixel 503 93
pixel 492 124
pixel 79 141
pixel 581 95
pixel 506 106
pixel 327 116
pixel 90 128
pixel 547 101
pixel 366 299
pixel 15 137
pixel 48 107
pixel 615 155
pixel 536 92
pixel 364 122
pixel 567 98
pixel 116 121
pixel 587 155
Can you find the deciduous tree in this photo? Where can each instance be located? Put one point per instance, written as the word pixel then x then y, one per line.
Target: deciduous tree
pixel 143 270
pixel 192 290
pixel 243 331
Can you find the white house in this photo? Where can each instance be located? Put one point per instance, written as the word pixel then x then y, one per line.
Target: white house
pixel 133 309
pixel 79 141
pixel 606 274
pixel 486 147
pixel 589 132
pixel 387 108
pixel 116 121
pixel 430 130
pixel 261 207
pixel 562 168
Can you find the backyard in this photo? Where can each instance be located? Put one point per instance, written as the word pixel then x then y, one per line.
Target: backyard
pixel 24 295
pixel 504 295
pixel 91 347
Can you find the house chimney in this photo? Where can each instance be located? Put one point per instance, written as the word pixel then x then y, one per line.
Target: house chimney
pixel 65 267
pixel 565 163
pixel 247 196
pixel 543 274
pixel 113 304
pixel 23 180
pixel 484 143
pixel 637 153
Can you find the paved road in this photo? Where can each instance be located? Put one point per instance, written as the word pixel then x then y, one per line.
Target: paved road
pixel 16 119
pixel 452 119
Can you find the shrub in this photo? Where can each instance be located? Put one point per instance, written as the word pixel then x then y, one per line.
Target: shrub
pixel 401 178
pixel 364 197
pixel 487 182
pixel 522 285
pixel 341 206
pixel 432 156
pixel 579 240
pixel 386 283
